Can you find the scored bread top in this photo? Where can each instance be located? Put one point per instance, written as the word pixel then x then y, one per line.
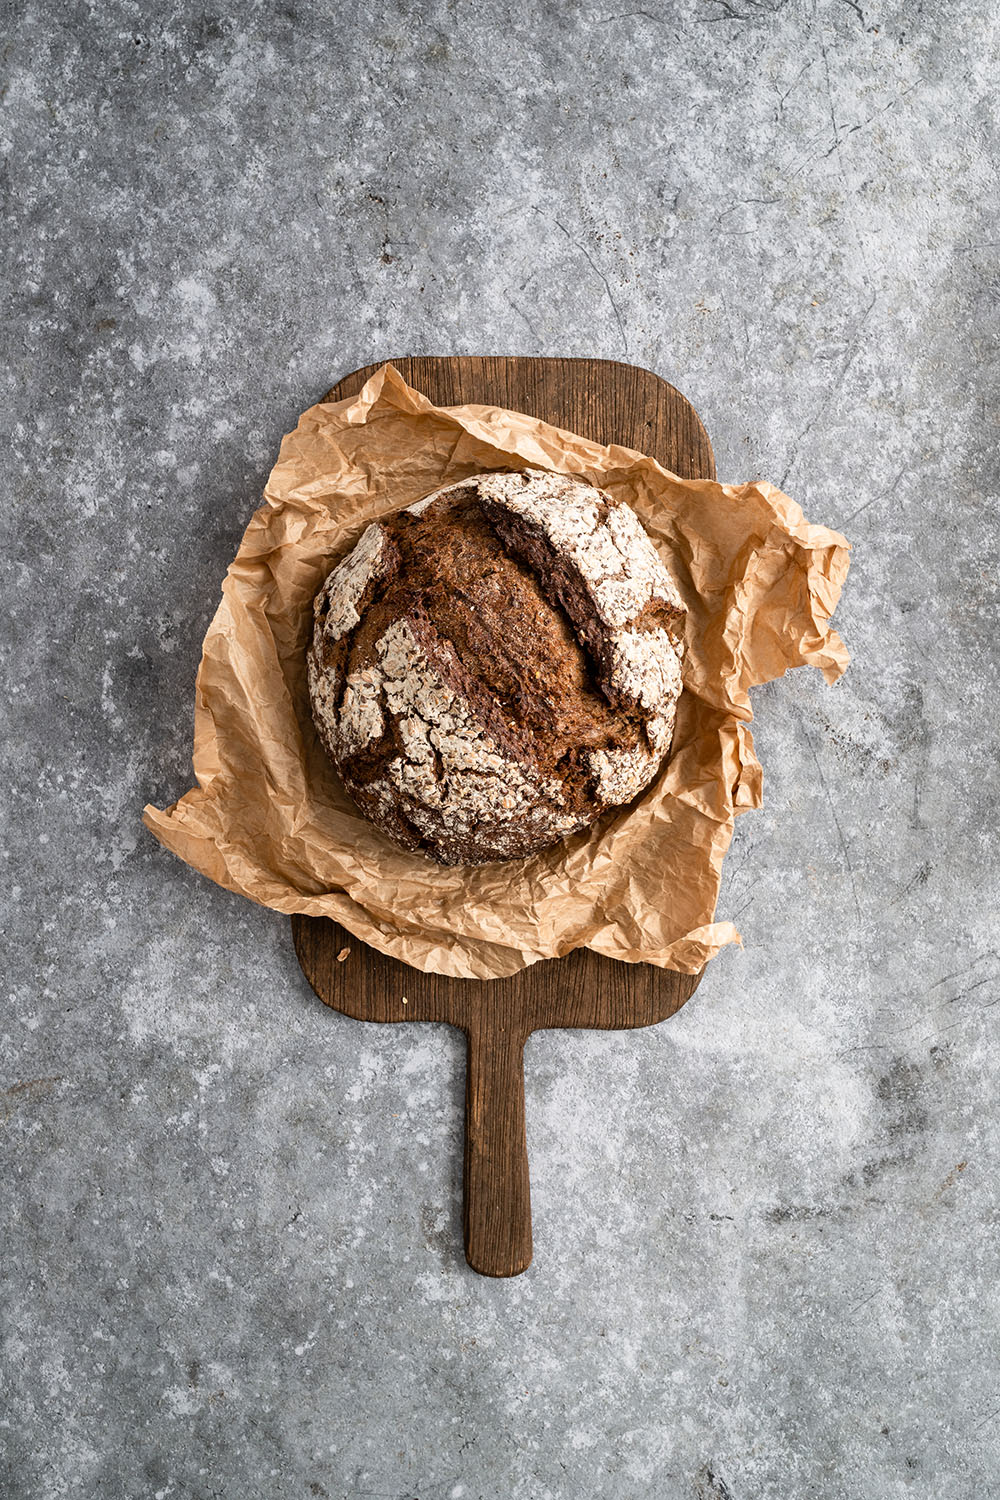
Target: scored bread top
pixel 495 666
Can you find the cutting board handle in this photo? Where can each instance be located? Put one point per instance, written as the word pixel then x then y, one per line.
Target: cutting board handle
pixel 497 1213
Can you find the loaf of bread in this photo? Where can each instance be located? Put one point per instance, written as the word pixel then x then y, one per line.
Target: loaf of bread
pixel 494 667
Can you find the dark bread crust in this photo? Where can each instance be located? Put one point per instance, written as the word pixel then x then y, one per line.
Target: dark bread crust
pixel 565 588
pixel 465 684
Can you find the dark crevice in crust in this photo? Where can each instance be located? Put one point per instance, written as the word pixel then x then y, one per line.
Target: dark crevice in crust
pixel 558 579
pixel 367 763
pixel 495 637
pixel 659 615
pixel 487 707
pixel 564 587
pixel 333 657
pixel 393 821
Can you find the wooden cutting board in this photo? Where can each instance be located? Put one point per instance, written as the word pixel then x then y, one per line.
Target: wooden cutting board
pixel 611 403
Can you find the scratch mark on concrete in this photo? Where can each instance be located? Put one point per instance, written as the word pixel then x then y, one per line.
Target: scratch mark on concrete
pixel 994 1413
pixel 828 398
pixel 951 1179
pixel 579 245
pixel 884 496
pixel 833 814
pixel 627 15
pixel 957 973
pixel 865 1300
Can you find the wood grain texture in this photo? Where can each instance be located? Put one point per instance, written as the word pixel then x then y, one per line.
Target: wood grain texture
pixel 611 403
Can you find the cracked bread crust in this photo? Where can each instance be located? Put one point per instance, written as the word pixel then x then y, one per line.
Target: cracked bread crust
pixel 496 666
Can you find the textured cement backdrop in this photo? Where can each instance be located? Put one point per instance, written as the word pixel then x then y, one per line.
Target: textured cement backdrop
pixel 766 1231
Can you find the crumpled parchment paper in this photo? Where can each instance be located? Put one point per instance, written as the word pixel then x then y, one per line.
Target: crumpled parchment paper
pixel 269 818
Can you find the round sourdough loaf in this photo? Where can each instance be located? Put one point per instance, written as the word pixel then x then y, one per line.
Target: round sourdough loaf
pixel 494 667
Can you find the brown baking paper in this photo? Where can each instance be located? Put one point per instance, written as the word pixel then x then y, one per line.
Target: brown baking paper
pixel 269 817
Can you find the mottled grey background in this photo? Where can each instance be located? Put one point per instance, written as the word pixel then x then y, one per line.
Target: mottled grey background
pixel 766 1231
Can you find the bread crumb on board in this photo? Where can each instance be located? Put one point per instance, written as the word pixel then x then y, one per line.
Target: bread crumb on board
pixel 344 953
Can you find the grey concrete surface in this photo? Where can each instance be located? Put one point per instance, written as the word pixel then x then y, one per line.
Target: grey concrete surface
pixel 766 1231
